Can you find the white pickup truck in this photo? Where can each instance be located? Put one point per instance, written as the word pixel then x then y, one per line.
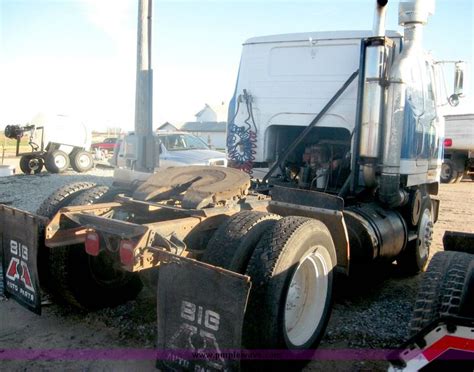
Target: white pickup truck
pixel 458 148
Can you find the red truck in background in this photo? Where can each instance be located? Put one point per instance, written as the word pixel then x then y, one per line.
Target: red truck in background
pixel 107 144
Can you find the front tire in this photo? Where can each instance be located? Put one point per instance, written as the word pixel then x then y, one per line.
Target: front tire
pixel 292 277
pixel 30 164
pixel 414 257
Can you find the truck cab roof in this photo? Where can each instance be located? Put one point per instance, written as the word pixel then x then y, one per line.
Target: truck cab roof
pixel 325 35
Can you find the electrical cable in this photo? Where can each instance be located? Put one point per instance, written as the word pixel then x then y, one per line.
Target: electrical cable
pixel 242 140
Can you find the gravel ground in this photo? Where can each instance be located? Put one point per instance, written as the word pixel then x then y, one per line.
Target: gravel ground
pixel 28 192
pixel 371 310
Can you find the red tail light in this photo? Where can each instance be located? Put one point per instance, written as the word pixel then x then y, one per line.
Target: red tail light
pixel 126 252
pixel 92 243
pixel 448 142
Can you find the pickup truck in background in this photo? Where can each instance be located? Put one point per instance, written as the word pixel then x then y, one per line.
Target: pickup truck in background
pixel 175 148
pixel 107 144
pixel 458 148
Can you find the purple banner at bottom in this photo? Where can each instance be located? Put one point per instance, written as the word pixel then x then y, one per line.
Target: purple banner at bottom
pixel 154 354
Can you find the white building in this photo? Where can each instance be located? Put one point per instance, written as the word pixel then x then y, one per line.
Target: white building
pixel 208 127
pixel 213 133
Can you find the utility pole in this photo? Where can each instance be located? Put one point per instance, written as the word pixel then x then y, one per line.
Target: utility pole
pixel 146 153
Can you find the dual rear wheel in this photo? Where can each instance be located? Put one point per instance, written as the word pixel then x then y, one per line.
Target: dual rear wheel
pixel 69 273
pixel 290 261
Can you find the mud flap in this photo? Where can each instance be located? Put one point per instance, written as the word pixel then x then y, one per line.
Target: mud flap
pixel 19 233
pixel 200 316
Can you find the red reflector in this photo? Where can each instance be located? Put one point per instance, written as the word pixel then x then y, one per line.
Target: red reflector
pixel 92 243
pixel 126 252
pixel 448 142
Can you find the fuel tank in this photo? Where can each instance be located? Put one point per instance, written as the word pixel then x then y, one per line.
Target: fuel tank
pixel 374 233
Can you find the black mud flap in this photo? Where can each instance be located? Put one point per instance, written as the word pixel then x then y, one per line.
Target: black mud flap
pixel 200 315
pixel 19 232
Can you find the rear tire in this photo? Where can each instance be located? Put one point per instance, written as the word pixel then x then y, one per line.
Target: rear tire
pixel 30 164
pixel 82 161
pixel 62 197
pixel 57 161
pixel 233 243
pixel 292 274
pixel 50 206
pixel 441 289
pixel 92 282
pixel 448 173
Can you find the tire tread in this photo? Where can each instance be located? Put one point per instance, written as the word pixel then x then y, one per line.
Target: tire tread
pixel 440 289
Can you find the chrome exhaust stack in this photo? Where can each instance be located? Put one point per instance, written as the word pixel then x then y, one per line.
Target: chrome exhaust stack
pixel 375 64
pixel 379 18
pixel 413 15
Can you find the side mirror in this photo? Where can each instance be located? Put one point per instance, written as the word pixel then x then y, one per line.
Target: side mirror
pixel 459 78
pixel 458 84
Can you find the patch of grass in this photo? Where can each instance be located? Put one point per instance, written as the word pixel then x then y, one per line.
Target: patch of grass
pixel 10 145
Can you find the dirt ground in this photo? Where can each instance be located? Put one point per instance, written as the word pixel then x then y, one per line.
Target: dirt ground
pixel 370 314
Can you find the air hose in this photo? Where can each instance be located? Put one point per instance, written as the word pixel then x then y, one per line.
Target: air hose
pixel 242 139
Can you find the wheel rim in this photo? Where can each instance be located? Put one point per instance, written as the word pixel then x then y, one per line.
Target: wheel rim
pixel 60 161
pixel 306 297
pixel 84 161
pixel 425 235
pixel 34 164
pixel 446 171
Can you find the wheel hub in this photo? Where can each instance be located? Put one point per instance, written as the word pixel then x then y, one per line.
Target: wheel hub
pixel 34 164
pixel 426 234
pixel 60 161
pixel 306 297
pixel 84 160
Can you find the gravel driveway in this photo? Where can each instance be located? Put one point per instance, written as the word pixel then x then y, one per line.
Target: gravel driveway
pixel 371 311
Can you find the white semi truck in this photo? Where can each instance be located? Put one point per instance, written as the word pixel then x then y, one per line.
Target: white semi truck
pixel 56 141
pixel 458 148
pixel 347 127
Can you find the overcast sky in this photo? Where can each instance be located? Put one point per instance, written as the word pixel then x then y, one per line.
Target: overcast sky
pixel 78 57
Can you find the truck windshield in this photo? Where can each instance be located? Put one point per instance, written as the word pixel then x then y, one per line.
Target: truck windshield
pixel 178 142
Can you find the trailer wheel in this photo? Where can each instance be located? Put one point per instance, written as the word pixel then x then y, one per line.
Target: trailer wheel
pixel 441 289
pixel 448 173
pixel 233 243
pixel 92 282
pixel 82 161
pixel 57 161
pixel 31 164
pixel 292 274
pixel 414 257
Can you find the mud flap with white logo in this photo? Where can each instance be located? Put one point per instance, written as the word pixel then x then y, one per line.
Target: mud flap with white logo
pixel 200 315
pixel 19 249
